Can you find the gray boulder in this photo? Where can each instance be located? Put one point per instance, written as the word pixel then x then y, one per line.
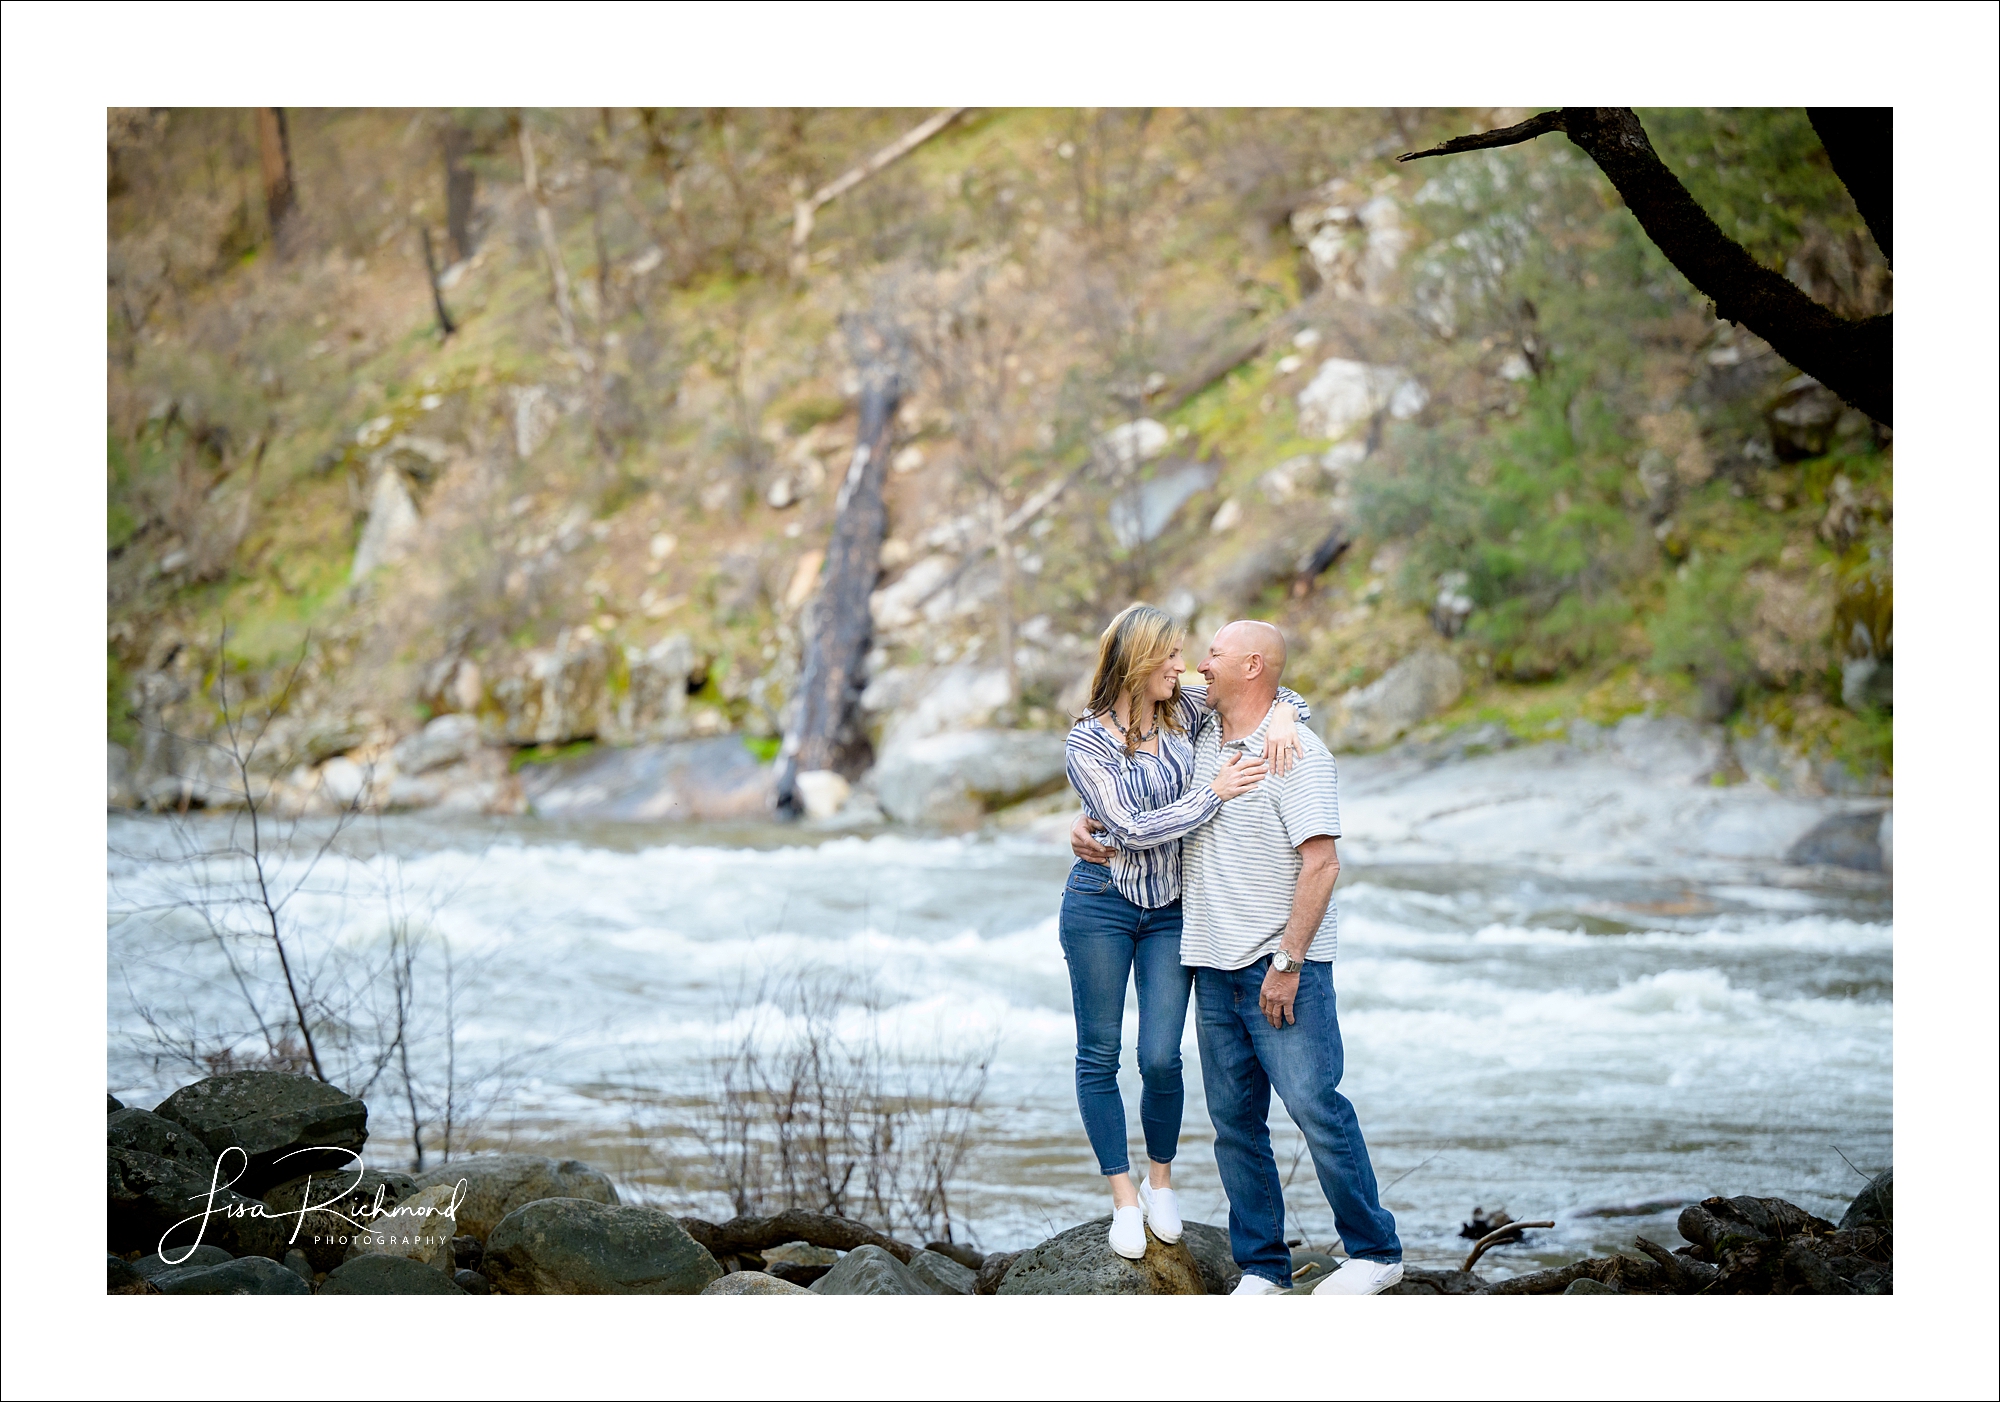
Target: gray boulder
pixel 1851 840
pixel 1415 689
pixel 477 784
pixel 287 1124
pixel 1584 1285
pixel 969 1257
pixel 376 1274
pixel 1866 684
pixel 200 1258
pixel 993 1270
pixel 675 782
pixel 752 1283
pixel 247 1275
pixel 334 1213
pixel 121 1279
pixel 1080 1261
pixel 114 1104
pixel 497 1184
pixel 869 1270
pixel 801 1253
pixel 119 790
pixel 941 1275
pixel 1874 1203
pixel 1145 509
pixel 419 1228
pixel 471 1282
pixel 953 780
pixel 1669 748
pixel 151 1134
pixel 1419 1281
pixel 443 740
pixel 295 1261
pixel 568 1246
pixel 1209 1246
pixel 393 526
pixel 152 1201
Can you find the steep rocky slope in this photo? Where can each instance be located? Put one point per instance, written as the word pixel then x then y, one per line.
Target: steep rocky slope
pixel 1461 431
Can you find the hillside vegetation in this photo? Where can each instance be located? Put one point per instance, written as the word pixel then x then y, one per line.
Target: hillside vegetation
pixel 1232 362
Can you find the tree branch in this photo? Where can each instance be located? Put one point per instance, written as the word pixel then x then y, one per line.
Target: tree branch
pixel 806 207
pixel 1851 358
pixel 1540 124
pixel 1860 143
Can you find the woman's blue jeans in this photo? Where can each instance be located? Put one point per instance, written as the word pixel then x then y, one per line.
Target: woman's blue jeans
pixel 1107 939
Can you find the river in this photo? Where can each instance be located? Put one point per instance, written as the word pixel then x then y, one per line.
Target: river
pixel 1586 1047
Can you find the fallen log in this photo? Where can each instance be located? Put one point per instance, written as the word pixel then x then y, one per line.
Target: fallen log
pixel 750 1235
pixel 827 733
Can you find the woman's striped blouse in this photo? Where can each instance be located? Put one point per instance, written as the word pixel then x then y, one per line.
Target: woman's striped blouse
pixel 1146 803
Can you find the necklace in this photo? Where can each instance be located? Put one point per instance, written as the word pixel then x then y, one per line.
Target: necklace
pixel 1143 735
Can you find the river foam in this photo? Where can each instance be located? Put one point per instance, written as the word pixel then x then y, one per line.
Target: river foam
pixel 1542 1045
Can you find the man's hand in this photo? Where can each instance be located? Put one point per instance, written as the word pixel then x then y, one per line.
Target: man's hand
pixel 1084 845
pixel 1319 868
pixel 1276 997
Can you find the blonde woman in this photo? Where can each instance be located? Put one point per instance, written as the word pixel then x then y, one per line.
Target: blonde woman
pixel 1131 759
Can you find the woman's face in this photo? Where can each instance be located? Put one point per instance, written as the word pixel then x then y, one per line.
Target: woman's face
pixel 1160 686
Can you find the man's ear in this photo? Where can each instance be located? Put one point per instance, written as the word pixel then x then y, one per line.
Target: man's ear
pixel 1253 666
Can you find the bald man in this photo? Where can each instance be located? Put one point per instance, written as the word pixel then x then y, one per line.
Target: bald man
pixel 1260 930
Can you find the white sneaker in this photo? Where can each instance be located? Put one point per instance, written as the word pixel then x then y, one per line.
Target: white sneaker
pixel 1357 1277
pixel 1163 1211
pixel 1128 1233
pixel 1255 1285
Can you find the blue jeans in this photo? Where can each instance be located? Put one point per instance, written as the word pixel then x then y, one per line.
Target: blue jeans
pixel 1242 1058
pixel 1106 940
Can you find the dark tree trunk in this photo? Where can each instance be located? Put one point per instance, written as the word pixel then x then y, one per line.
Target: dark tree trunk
pixel 1860 141
pixel 1851 358
pixel 459 186
pixel 827 732
pixel 274 157
pixel 445 326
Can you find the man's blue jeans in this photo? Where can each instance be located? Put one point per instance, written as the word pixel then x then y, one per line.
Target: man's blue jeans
pixel 1107 940
pixel 1243 1058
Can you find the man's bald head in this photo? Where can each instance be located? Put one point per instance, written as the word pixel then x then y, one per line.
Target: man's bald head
pixel 1245 661
pixel 1254 638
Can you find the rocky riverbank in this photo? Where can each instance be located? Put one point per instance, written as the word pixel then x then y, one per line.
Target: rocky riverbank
pixel 296 1218
pixel 1649 793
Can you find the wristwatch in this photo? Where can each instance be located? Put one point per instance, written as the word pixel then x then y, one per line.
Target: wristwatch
pixel 1284 963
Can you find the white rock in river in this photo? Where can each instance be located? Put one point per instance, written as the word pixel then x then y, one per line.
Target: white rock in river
pixel 823 792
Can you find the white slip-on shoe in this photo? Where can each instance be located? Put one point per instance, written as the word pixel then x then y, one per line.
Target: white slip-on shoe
pixel 1256 1285
pixel 1128 1232
pixel 1358 1277
pixel 1163 1211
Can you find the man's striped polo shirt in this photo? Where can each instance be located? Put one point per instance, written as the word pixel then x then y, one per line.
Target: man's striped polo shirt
pixel 1238 871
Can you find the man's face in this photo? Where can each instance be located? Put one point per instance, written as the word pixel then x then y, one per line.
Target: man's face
pixel 1222 669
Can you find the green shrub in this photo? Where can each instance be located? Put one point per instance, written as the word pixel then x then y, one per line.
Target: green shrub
pixel 1532 517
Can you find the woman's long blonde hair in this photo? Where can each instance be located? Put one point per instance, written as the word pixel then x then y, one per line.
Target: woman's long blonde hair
pixel 1134 646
